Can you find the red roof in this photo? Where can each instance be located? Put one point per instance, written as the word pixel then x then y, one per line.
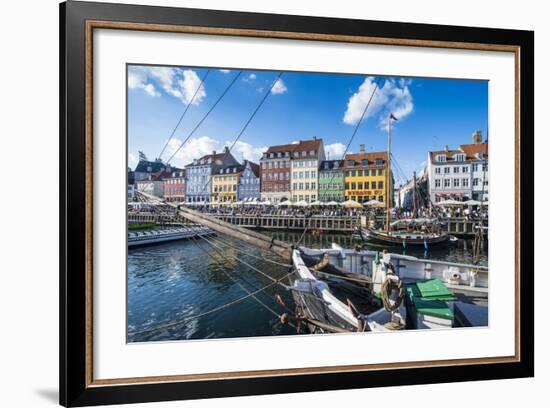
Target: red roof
pixel 473 150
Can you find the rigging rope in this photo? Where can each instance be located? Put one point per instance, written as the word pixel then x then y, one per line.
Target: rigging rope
pixel 206 115
pixel 184 112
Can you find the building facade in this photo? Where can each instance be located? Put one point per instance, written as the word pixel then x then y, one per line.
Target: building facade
pixel 146 169
pixel 331 181
pixel 198 183
pixel 365 177
pixel 275 173
pixel 249 182
pixel 153 186
pixel 225 184
pixel 174 186
pixel 460 174
pixel 306 158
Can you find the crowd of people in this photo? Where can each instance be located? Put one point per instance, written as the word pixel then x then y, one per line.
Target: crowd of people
pixel 438 212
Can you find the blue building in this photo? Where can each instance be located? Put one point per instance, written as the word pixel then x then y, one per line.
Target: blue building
pixel 249 182
pixel 198 182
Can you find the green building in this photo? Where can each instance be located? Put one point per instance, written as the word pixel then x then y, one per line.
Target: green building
pixel 331 181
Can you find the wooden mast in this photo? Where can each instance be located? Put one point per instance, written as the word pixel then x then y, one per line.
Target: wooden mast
pixel 388 167
pixel 414 194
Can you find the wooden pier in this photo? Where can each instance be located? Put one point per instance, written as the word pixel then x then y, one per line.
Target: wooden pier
pixel 455 226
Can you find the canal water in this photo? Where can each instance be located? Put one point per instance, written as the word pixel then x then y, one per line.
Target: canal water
pixel 177 281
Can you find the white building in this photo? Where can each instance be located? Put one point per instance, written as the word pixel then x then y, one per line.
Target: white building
pixel 305 162
pixel 460 174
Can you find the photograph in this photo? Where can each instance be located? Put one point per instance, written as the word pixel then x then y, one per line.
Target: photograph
pixel 287 203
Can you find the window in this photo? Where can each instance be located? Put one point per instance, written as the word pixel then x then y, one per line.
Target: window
pixel 353 173
pixel 437 183
pixel 313 174
pixel 465 169
pixel 360 185
pixel 459 157
pixel 379 172
pixel 350 163
pixel 484 168
pixel 307 186
pixel 373 185
pixel 474 167
pixel 313 185
pixel 456 182
pixel 367 173
pixel 347 186
pixel 447 183
pixel 475 182
pixel 353 186
pixel 438 170
pixel 465 182
pixel 364 162
pixel 380 185
pixel 378 162
pixel 456 169
pixel 447 170
pixel 441 158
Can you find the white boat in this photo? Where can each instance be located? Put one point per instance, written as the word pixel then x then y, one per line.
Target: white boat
pixel 458 294
pixel 150 237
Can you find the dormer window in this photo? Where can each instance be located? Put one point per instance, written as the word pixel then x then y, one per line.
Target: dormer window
pixel 378 162
pixel 364 162
pixel 312 152
pixel 441 158
pixel 351 163
pixel 459 157
pixel 326 166
pixel 335 165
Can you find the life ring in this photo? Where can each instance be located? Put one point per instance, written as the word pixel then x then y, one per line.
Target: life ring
pixel 391 283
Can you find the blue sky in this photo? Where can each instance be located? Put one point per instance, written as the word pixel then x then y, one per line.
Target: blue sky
pixel 432 113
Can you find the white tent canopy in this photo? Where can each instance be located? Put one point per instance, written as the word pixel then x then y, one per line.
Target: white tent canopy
pixel 374 202
pixel 331 203
pixel 351 204
pixel 301 203
pixel 449 203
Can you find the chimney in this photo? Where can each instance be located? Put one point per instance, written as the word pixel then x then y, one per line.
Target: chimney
pixel 314 137
pixel 213 152
pixel 446 148
pixel 477 137
pixel 362 148
pixel 226 149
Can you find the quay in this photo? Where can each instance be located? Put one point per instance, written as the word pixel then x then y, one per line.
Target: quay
pixel 139 238
pixel 461 227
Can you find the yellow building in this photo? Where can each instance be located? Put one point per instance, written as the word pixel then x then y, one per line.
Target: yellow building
pixel 365 177
pixel 225 185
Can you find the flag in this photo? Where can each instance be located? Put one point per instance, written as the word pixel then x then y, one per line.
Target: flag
pixel 392 116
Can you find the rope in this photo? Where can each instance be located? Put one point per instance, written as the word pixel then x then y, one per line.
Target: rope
pixel 206 115
pixel 391 283
pixel 184 112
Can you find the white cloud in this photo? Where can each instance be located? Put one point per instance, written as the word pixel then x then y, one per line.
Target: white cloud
pixel 279 87
pixel 132 160
pixel 252 76
pixel 151 90
pixel 392 97
pixel 245 151
pixel 335 151
pixel 181 84
pixel 195 148
pixel 225 71
pixel 137 79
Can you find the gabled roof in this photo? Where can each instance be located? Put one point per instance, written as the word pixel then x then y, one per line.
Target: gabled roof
pixel 472 150
pixel 307 145
pixel 155 166
pixel 281 148
pixel 226 170
pixel 371 158
pixel 254 167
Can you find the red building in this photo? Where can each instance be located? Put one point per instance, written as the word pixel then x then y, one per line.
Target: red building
pixel 275 173
pixel 174 186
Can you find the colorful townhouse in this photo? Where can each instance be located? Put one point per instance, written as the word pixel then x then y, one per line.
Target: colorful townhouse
pixel 225 184
pixel 365 177
pixel 249 183
pixel 198 183
pixel 174 186
pixel 331 181
pixel 460 174
pixel 306 158
pixel 275 173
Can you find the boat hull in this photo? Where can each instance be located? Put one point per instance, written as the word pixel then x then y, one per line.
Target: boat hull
pixel 404 239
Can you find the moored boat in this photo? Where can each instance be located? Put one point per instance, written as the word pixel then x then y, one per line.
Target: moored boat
pixel 363 290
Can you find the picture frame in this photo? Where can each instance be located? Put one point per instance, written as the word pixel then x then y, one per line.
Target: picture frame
pixel 78 20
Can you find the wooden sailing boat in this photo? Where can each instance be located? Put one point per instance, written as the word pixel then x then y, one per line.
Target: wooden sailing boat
pixel 424 234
